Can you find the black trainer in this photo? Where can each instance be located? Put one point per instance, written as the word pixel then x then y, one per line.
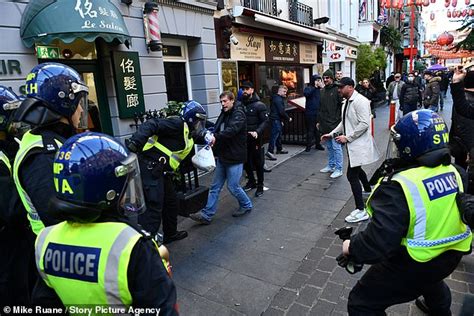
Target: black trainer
pixel 421 304
pixel 259 191
pixel 319 147
pixel 249 186
pixel 177 236
pixel 282 152
pixel 270 156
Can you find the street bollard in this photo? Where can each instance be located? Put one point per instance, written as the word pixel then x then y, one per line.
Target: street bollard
pixel 391 119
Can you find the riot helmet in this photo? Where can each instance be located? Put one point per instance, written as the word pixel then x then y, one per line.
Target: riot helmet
pixel 93 174
pixel 54 91
pixel 418 133
pixel 195 116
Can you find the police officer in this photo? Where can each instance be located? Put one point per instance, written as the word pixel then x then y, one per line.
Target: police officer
pixel 162 143
pixel 15 236
pixel 55 106
pixel 416 237
pixel 97 256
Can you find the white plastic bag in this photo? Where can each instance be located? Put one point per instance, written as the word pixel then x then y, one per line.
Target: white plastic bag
pixel 204 159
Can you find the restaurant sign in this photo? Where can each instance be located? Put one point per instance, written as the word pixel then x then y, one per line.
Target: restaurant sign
pixel 247 47
pixel 282 51
pixel 308 53
pixel 128 84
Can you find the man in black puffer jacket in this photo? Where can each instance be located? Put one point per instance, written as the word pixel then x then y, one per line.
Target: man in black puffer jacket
pixel 257 121
pixel 230 147
pixel 410 95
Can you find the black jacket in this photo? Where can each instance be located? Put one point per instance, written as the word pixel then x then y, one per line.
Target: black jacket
pixel 36 171
pixel 330 109
pixel 148 282
pixel 410 94
pixel 256 113
pixel 381 239
pixel 313 100
pixel 230 132
pixel 461 104
pixel 277 108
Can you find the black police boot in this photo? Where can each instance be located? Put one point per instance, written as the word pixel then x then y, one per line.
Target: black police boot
pixel 177 236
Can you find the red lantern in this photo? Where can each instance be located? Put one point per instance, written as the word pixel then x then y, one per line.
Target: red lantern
pixel 464 12
pixel 418 2
pixel 471 12
pixel 395 3
pixel 432 16
pixel 388 4
pixel 448 13
pixel 445 39
pixel 433 1
pixel 454 3
pixel 426 3
pixel 400 4
pixel 447 3
pixel 410 2
pixel 402 16
pixel 467 2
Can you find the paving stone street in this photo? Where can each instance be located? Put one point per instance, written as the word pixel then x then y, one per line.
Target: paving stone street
pixel 280 259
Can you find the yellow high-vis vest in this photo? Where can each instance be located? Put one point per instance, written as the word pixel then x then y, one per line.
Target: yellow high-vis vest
pixel 435 222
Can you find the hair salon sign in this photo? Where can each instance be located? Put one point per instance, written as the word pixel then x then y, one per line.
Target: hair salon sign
pixel 97 17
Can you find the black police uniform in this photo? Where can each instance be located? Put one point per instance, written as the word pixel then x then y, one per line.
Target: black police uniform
pixel 394 276
pixel 157 179
pixel 257 120
pixel 17 271
pixel 148 281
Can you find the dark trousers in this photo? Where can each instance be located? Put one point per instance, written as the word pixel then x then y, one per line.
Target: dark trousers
pixel 255 160
pixel 312 133
pixel 402 279
pixel 275 138
pixel 161 203
pixel 356 176
pixel 18 272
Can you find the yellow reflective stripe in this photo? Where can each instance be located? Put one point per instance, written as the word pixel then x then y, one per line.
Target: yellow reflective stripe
pixel 419 229
pixel 111 276
pixel 6 161
pixel 40 240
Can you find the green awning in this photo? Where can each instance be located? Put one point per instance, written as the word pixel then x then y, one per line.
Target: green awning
pixel 46 20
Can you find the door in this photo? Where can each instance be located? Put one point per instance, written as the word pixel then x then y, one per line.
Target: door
pixel 176 84
pixel 99 112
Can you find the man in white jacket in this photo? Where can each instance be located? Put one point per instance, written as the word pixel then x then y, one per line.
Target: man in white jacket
pixel 355 131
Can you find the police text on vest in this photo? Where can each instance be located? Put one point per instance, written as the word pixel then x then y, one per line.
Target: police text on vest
pixel 441 185
pixel 72 262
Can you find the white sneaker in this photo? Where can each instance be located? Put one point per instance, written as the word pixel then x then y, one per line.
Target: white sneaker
pixel 357 216
pixel 326 169
pixel 336 174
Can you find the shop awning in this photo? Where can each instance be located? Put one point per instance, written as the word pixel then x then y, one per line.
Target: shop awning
pixel 46 20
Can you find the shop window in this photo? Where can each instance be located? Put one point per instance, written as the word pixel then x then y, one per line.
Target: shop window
pixel 270 77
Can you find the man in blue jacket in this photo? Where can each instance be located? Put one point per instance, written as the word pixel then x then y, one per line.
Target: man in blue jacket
pixel 313 96
pixel 277 115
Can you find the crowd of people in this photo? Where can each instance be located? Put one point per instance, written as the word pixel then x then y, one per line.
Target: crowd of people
pixel 76 219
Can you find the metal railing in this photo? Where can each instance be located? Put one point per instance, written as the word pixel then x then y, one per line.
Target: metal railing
pixel 294 132
pixel 264 6
pixel 301 13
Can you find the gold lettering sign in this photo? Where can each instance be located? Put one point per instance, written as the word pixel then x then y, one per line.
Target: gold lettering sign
pixel 247 47
pixel 282 51
pixel 308 53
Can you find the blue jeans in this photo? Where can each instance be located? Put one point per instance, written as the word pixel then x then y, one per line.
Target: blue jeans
pixel 232 173
pixel 335 157
pixel 275 138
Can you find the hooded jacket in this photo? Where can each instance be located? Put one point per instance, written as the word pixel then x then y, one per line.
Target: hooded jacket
pixel 330 109
pixel 313 96
pixel 431 97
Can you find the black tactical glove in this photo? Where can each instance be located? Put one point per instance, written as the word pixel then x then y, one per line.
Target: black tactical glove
pixel 132 146
pixel 465 204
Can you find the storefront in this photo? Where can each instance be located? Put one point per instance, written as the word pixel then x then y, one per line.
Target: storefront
pixel 105 42
pixel 265 56
pixel 340 57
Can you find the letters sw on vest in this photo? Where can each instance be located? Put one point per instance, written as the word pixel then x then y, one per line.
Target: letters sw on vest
pixel 441 185
pixel 72 262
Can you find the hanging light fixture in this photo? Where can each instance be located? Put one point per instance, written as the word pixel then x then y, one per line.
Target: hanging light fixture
pixel 448 13
pixel 454 3
pixel 445 39
pixel 152 28
pixel 426 3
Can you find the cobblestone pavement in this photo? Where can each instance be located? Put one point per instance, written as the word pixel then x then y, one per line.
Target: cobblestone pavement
pixel 280 258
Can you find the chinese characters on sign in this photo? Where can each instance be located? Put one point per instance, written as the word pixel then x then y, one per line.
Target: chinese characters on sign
pixel 128 84
pixel 279 50
pixel 98 17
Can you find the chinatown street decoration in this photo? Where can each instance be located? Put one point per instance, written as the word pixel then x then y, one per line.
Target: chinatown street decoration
pixel 445 39
pixel 447 3
pixel 426 3
pixel 448 13
pixel 446 52
pixel 432 16
pixel 467 2
pixel 454 3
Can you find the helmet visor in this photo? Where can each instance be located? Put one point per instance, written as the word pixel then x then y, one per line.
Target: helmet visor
pixel 83 106
pixel 132 199
pixel 392 149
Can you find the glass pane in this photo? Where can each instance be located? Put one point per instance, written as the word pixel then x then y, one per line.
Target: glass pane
pixel 93 122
